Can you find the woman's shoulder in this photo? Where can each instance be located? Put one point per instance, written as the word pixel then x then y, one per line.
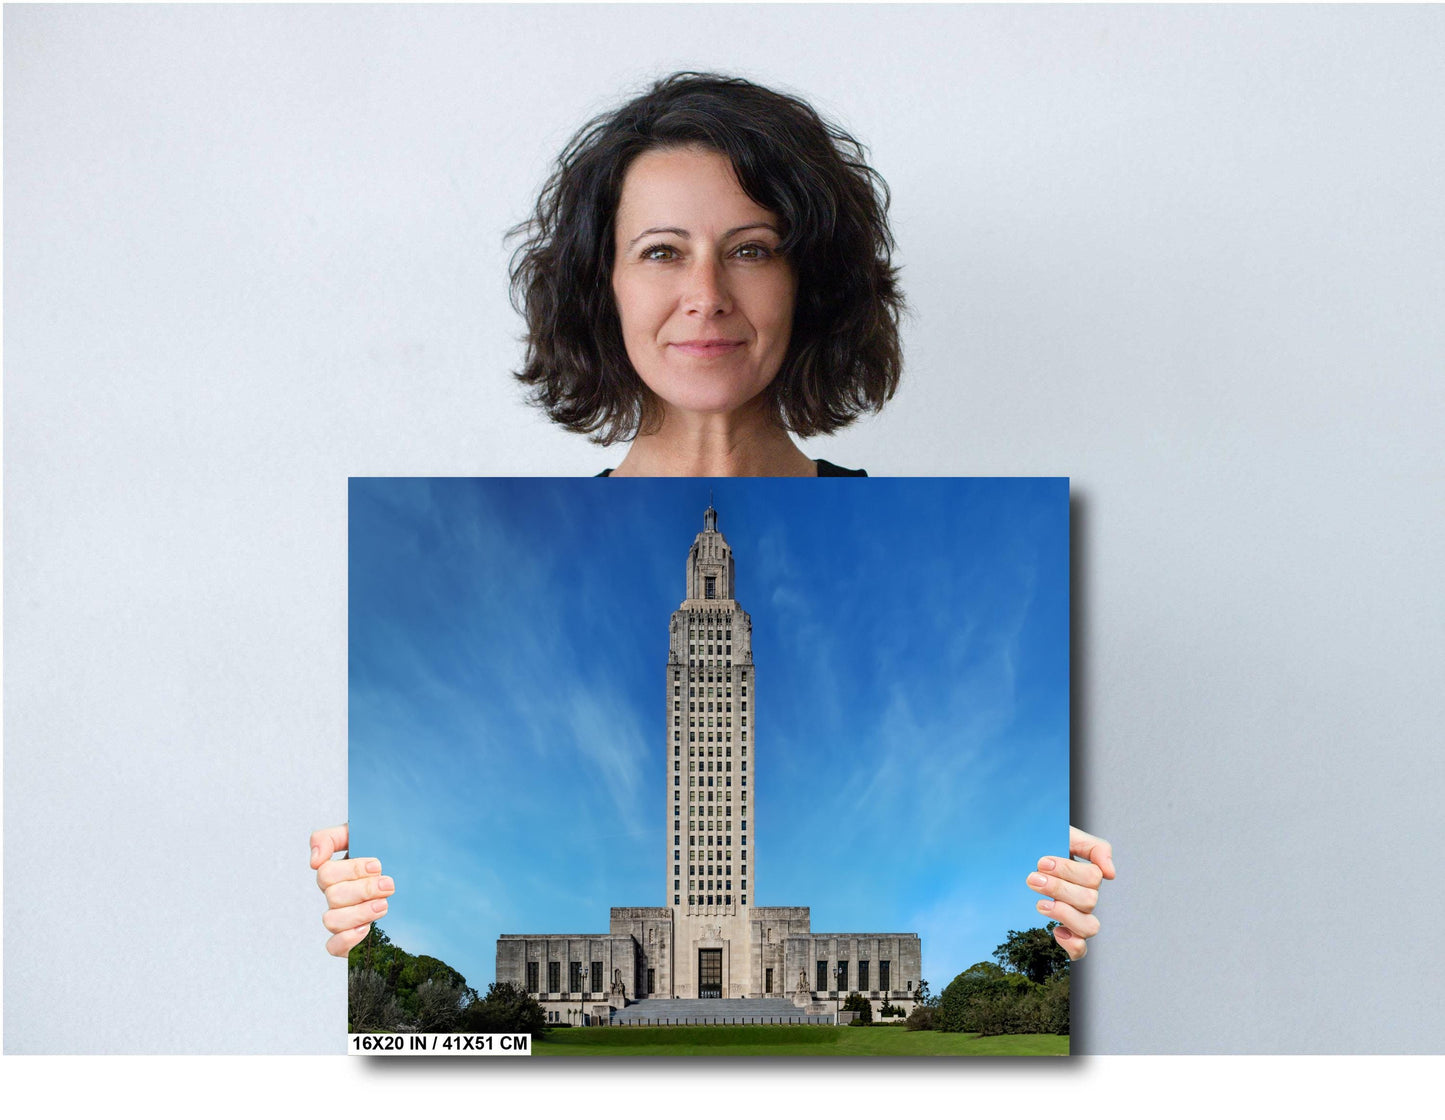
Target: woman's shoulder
pixel 832 470
pixel 825 470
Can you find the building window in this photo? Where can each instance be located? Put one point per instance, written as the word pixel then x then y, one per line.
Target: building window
pixel 822 976
pixel 884 980
pixel 710 591
pixel 554 975
pixel 532 971
pixel 651 980
pixel 843 985
pixel 862 976
pixel 574 976
pixel 767 981
pixel 596 976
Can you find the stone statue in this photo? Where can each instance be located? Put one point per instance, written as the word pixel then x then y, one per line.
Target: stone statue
pixel 618 988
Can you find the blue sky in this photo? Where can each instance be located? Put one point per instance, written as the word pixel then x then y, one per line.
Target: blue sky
pixel 508 644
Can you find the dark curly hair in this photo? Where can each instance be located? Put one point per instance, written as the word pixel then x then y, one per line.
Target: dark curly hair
pixel 844 356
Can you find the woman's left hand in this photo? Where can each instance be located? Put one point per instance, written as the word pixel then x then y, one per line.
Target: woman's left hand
pixel 1071 888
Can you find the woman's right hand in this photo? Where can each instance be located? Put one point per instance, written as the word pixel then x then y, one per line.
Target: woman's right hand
pixel 356 890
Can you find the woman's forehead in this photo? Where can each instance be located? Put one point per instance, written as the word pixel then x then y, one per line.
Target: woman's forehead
pixel 682 188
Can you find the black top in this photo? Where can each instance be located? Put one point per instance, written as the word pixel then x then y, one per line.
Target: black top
pixel 825 470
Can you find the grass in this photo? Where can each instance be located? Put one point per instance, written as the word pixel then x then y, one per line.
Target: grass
pixel 791 1040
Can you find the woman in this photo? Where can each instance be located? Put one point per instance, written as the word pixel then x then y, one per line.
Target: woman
pixel 706 275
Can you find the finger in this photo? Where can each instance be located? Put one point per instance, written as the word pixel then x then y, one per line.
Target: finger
pixel 1072 870
pixel 1070 942
pixel 350 917
pixel 343 943
pixel 349 892
pixel 336 870
pixel 326 842
pixel 1082 899
pixel 1082 925
pixel 1093 849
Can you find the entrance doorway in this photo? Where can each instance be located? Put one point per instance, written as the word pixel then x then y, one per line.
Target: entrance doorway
pixel 709 973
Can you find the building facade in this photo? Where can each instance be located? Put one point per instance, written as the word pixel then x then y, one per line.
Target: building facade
pixel 708 940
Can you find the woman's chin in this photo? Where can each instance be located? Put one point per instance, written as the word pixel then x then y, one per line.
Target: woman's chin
pixel 703 403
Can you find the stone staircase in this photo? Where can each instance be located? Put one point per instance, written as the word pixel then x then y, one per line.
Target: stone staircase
pixel 685 1012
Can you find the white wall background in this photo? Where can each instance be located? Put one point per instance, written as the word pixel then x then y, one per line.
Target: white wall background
pixel 1192 257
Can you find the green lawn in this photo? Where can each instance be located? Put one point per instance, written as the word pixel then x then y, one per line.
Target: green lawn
pixel 790 1040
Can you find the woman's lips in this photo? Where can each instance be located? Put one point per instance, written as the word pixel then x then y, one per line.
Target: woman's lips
pixel 708 348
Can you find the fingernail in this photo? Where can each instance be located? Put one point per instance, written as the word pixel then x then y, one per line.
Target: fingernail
pixel 1062 933
pixel 379 906
pixel 373 866
pixel 1046 864
pixel 386 884
pixel 1046 904
pixel 1039 880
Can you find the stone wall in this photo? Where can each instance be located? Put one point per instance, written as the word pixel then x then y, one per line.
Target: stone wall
pixel 615 953
pixel 903 951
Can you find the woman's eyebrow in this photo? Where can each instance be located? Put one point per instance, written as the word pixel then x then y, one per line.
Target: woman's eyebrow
pixel 682 233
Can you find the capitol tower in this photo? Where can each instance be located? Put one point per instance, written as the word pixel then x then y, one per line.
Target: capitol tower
pixel 711 691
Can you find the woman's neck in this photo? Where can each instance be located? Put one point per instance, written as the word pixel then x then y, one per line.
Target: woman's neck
pixel 694 445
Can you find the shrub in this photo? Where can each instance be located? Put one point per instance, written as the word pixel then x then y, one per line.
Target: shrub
pixel 1054 1005
pixel 956 1007
pixel 988 1001
pixel 921 1018
pixel 860 1003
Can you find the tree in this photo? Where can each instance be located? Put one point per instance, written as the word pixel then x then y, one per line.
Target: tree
pixel 505 1009
pixel 438 1006
pixel 973 990
pixel 370 1005
pixel 1033 953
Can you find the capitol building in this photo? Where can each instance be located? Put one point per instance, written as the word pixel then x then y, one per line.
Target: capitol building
pixel 709 952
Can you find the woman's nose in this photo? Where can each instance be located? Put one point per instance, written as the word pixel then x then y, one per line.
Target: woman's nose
pixel 707 290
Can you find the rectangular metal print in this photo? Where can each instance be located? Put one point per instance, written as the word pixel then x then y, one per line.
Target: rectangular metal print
pixel 760 764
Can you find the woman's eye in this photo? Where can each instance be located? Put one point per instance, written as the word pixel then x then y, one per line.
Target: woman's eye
pixel 659 253
pixel 754 252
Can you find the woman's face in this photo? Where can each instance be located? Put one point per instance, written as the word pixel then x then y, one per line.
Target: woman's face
pixel 705 300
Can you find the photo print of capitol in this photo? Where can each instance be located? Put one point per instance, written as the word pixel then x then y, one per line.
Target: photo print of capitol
pixel 639 746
